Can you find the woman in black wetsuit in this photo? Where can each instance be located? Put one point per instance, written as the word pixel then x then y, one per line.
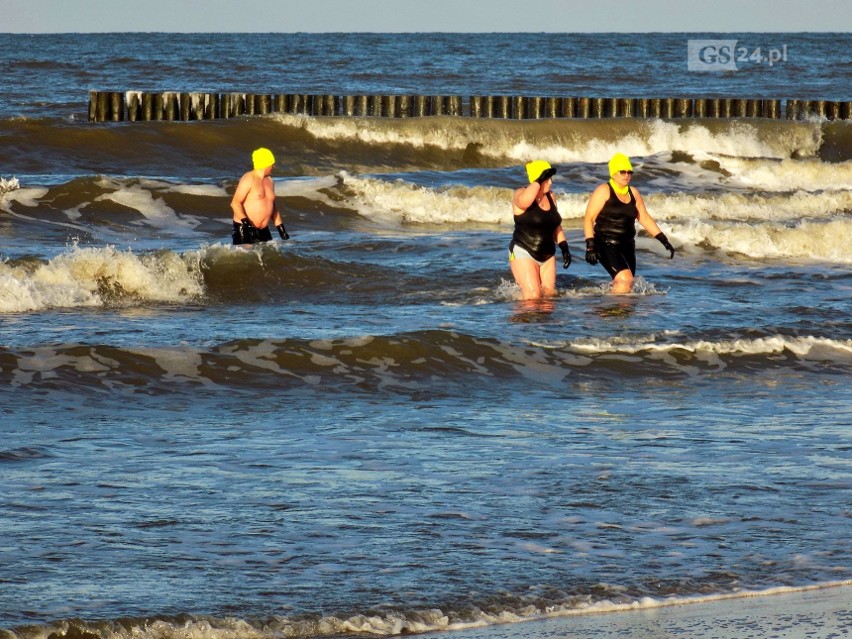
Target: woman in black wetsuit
pixel 538 230
pixel 610 225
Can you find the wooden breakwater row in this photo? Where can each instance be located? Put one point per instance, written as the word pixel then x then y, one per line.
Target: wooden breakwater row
pixel 118 106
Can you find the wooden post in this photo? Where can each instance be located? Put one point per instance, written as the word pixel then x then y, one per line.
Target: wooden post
pixel 170 106
pixel 294 103
pixel 146 108
pixel 535 108
pixel 421 106
pixel 133 102
pixel 454 105
pixel 569 107
pixel 214 108
pixel 103 106
pixel 503 107
pixel 846 110
pixel 262 104
pixel 375 105
pixel 227 106
pixel 791 109
pixel 158 107
pixel 655 108
pixel 772 109
pixel 753 108
pixel 832 110
pixel 488 106
pixel 740 109
pixel 598 108
pixel 93 106
pixel 185 101
pixel 553 108
pixel 475 106
pixel 389 106
pixel 196 106
pixel 625 107
pixel 584 107
pixel 519 107
pixel 362 105
pixel 713 108
pixel 116 100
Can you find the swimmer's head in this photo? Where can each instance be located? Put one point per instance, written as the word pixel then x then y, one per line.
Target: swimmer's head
pixel 262 158
pixel 619 162
pixel 537 168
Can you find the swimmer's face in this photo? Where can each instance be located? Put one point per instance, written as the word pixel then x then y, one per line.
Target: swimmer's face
pixel 622 177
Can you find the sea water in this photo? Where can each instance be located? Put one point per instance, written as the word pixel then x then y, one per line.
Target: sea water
pixel 363 429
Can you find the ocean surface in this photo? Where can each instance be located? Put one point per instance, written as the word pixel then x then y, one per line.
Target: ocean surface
pixel 362 429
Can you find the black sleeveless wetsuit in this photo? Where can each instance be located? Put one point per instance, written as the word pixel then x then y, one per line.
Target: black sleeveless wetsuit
pixel 534 229
pixel 615 228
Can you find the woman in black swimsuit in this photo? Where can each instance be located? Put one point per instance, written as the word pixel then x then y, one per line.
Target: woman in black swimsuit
pixel 538 231
pixel 610 225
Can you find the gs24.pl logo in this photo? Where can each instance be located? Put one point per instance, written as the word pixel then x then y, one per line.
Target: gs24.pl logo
pixel 723 55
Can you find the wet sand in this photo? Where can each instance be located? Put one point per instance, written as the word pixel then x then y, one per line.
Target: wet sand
pixel 824 613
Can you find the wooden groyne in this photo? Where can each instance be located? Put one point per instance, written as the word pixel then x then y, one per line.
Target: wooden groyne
pixel 119 106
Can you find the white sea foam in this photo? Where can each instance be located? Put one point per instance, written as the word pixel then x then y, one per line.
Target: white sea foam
pixel 11 184
pixel 403 202
pixel 26 196
pixel 800 225
pixel 399 623
pixel 804 348
pixel 155 211
pixel 788 175
pixel 98 276
pixel 573 140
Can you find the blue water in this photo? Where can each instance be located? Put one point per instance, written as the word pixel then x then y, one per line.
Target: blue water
pixel 364 428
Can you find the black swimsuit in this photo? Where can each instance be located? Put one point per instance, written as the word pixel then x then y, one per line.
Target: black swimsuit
pixel 252 235
pixel 615 228
pixel 534 229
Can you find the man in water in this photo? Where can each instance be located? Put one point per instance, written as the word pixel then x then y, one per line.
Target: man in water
pixel 254 204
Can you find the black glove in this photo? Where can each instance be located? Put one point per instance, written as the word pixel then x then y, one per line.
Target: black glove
pixel 591 255
pixel 566 254
pixel 662 239
pixel 282 232
pixel 244 232
pixel 249 232
pixel 237 234
pixel 546 175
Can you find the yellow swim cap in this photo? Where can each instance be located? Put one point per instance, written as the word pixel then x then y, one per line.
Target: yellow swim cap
pixel 619 162
pixel 262 158
pixel 536 168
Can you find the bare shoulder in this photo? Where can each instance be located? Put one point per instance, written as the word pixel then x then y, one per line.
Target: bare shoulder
pixel 601 191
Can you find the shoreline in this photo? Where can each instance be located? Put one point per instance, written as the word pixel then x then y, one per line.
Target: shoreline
pixel 820 611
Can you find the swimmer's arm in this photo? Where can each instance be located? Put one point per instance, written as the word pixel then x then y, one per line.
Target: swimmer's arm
pixel 524 197
pixel 593 209
pixel 559 235
pixel 276 216
pixel 645 218
pixel 240 195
